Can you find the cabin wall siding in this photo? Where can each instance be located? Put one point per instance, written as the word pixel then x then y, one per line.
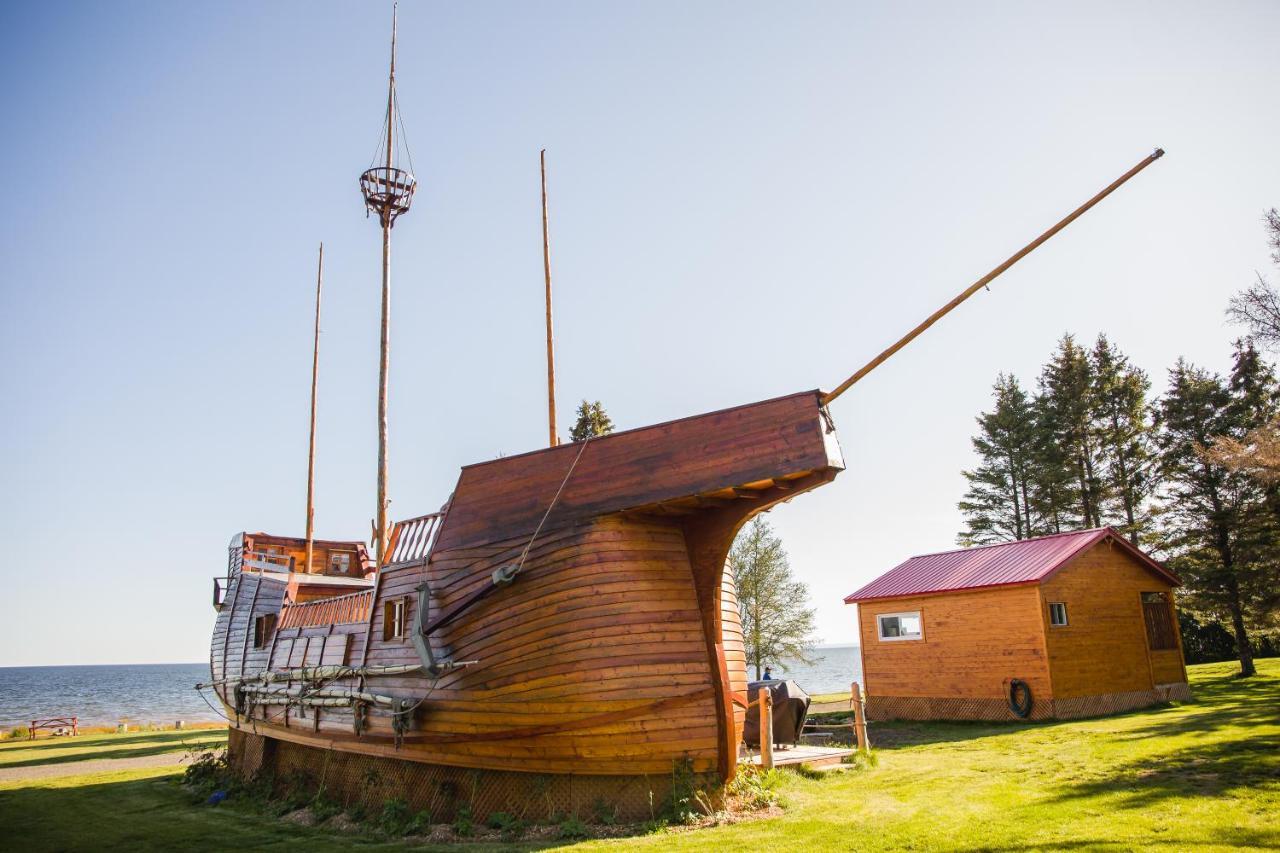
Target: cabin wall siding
pixel 1103 648
pixel 973 643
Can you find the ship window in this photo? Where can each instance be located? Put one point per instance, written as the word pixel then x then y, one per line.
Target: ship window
pixel 394 618
pixel 1155 612
pixel 340 562
pixel 262 628
pixel 1057 613
pixel 899 626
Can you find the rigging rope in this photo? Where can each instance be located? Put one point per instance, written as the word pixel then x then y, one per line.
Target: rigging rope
pixel 525 554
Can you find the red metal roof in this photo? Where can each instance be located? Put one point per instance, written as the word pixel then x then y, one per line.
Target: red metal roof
pixel 1009 563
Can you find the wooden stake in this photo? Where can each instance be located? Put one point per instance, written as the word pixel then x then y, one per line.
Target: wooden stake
pixel 311 447
pixel 766 728
pixel 859 719
pixel 989 277
pixel 546 269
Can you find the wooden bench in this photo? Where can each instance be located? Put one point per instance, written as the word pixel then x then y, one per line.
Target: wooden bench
pixel 57 724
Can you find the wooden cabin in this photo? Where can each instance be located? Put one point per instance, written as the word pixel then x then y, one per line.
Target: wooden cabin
pixel 1086 621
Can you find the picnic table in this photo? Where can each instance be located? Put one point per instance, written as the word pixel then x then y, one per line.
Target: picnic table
pixel 57 724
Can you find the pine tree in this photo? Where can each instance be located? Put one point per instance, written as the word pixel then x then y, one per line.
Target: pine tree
pixel 1123 429
pixel 1215 519
pixel 996 505
pixel 1054 492
pixel 777 622
pixel 592 421
pixel 1068 403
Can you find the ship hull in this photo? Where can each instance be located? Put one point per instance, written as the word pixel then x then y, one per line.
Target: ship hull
pixel 616 653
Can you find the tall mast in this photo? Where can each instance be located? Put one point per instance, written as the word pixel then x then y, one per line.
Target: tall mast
pixel 546 269
pixel 989 277
pixel 311 447
pixel 388 192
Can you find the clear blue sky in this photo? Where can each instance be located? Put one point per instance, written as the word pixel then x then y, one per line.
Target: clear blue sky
pixel 748 199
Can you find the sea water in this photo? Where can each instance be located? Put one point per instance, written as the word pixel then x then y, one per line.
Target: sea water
pixel 165 693
pixel 104 695
pixel 832 670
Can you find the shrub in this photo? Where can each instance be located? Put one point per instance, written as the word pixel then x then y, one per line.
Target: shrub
pixel 572 827
pixel 462 823
pixel 510 825
pixel 755 788
pixel 602 812
pixel 207 769
pixel 17 732
pixel 419 823
pixel 322 807
pixel 679 804
pixel 395 817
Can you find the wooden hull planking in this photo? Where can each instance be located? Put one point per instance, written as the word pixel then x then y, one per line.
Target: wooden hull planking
pixel 616 651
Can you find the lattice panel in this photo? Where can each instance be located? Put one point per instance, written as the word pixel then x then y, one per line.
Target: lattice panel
pixel 1114 703
pixel 350 778
pixel 930 708
pixel 926 708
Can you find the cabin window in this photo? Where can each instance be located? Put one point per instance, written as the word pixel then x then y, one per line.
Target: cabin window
pixel 1159 618
pixel 1057 613
pixel 340 562
pixel 899 626
pixel 395 618
pixel 262 628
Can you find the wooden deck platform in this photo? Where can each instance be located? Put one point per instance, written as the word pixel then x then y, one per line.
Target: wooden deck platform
pixel 806 754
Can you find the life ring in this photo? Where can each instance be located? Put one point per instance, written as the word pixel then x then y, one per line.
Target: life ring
pixel 1021 709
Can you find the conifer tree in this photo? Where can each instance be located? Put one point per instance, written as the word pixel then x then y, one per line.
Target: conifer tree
pixel 1054 488
pixel 1068 402
pixel 1123 429
pixel 996 505
pixel 1215 519
pixel 777 622
pixel 592 421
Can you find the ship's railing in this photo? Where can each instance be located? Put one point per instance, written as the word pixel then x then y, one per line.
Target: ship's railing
pixel 411 539
pixel 352 607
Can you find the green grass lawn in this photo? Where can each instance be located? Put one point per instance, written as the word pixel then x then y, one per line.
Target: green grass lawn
pixel 1203 775
pixel 59 750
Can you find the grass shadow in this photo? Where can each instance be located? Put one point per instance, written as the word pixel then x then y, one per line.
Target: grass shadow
pixel 70 750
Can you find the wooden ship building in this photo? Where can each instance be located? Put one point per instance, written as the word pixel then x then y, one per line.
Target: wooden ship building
pixel 563 631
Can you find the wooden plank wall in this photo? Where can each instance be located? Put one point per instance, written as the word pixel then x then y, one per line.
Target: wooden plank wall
pixel 604 619
pixel 973 642
pixel 735 654
pixel 231 651
pixel 506 497
pixel 1103 648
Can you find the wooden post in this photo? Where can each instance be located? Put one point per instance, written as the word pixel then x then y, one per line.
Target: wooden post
pixel 311 448
pixel 766 728
pixel 860 719
pixel 546 270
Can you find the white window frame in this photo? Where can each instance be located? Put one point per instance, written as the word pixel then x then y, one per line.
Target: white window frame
pixel 914 614
pixel 1066 620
